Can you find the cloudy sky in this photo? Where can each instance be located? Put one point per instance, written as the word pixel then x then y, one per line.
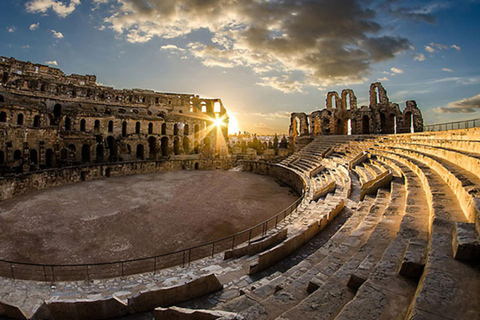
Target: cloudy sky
pixel 263 58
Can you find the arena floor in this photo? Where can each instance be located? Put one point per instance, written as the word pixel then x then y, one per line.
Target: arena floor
pixel 135 216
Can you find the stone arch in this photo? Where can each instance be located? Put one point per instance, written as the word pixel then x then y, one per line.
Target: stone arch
pixel 152 148
pixel 57 111
pixel 186 130
pixel 83 125
pixel 85 153
pixel 112 147
pixel 196 147
pixel 197 130
pixel 34 156
pixel 68 124
pixel 176 146
pixel 17 155
pixel 352 100
pixel 124 128
pixel 99 152
pixel 140 151
pixel 2 99
pixel 110 126
pixel 36 121
pixel 3 116
pixel 175 129
pixel 164 146
pixel 150 128
pixel 299 128
pixel 329 101
pixel 137 127
pixel 206 145
pixel 378 94
pixel 20 118
pixel 186 145
pixel 2 157
pixel 96 125
pixel 49 158
pixel 365 124
pixel 164 128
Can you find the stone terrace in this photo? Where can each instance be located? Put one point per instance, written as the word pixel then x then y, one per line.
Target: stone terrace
pixel 387 229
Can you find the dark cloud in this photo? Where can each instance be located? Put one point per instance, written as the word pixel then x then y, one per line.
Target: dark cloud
pixel 468 105
pixel 328 42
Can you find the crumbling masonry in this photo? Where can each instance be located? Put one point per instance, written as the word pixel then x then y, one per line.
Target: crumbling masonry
pixel 49 119
pixel 380 117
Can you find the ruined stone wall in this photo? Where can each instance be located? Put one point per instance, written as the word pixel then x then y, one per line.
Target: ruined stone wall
pixel 49 120
pixel 341 113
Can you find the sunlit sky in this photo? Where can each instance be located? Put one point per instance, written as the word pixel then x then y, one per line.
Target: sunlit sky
pixel 263 58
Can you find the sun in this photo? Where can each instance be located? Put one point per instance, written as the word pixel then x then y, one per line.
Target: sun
pixel 233 126
pixel 218 122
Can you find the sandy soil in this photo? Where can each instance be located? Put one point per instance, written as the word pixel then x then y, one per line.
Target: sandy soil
pixel 135 216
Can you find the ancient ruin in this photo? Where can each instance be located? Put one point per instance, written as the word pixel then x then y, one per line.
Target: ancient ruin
pixel 385 226
pixel 341 116
pixel 51 120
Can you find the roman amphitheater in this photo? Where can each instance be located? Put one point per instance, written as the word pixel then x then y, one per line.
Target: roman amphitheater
pixel 124 204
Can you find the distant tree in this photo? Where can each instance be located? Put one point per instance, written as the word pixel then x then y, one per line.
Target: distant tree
pixel 284 143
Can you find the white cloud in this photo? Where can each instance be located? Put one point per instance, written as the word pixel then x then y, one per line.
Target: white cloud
pixel 171 47
pixel 384 79
pixel 34 26
pixel 447 70
pixel 454 46
pixel 11 29
pixel 419 57
pixel 282 83
pixel 430 49
pixel 57 35
pixel 61 8
pixel 52 63
pixel 396 70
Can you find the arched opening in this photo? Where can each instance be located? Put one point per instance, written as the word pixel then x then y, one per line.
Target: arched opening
pixel 107 172
pixel 63 154
pixel 164 128
pixel 383 123
pixel 175 130
pixel 376 91
pixel 150 128
pixel 152 148
pixel 196 166
pixel 2 157
pixel 206 145
pixel 5 77
pixel 407 119
pixel 2 99
pixel 137 127
pixel 49 158
pixel 349 127
pixel 112 147
pixel 34 156
pixel 3 117
pixel 68 124
pixel 365 125
pixel 391 123
pixel 36 121
pixel 17 155
pixel 124 128
pixel 347 99
pixel 83 125
pixel 96 125
pixel 176 146
pixel 185 130
pixel 85 153
pixel 110 126
pixel 72 151
pixel 186 145
pixel 99 152
pixel 140 151
pixel 196 148
pixel 20 119
pixel 57 111
pixel 197 129
pixel 164 143
pixel 340 127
